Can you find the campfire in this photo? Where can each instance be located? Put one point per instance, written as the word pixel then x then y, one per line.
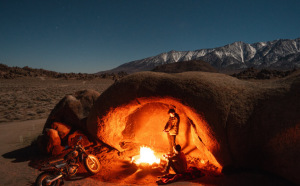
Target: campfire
pixel 146 158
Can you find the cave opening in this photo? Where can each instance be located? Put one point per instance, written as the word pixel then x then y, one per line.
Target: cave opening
pixel 141 123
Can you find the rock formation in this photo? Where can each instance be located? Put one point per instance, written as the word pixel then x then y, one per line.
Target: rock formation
pixel 67 121
pixel 53 145
pixel 62 129
pixel 73 109
pixel 226 121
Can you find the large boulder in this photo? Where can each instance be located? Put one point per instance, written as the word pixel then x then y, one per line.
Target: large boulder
pixel 63 123
pixel 73 109
pixel 226 121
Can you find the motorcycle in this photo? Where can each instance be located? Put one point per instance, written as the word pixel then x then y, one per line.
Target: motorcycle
pixel 55 171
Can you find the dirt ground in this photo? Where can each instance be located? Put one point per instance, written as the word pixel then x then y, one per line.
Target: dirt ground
pixel 17 157
pixel 24 106
pixel 33 98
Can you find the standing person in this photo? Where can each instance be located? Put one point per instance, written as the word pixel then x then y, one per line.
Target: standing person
pixel 171 128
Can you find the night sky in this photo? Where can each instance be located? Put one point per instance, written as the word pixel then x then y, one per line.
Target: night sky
pixel 95 35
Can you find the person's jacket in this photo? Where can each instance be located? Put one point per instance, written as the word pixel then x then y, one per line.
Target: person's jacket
pixel 172 125
pixel 179 162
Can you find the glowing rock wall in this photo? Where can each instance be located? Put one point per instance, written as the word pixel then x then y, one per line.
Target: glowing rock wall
pixel 224 120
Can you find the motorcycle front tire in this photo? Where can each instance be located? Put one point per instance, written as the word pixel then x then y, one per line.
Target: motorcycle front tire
pixel 92 164
pixel 43 177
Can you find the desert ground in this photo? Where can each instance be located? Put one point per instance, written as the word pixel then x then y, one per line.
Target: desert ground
pixel 25 104
pixel 31 98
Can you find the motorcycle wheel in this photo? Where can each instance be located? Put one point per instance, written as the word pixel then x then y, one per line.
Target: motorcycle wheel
pixel 41 180
pixel 92 164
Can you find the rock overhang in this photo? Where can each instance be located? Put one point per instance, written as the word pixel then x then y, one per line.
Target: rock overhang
pixel 219 112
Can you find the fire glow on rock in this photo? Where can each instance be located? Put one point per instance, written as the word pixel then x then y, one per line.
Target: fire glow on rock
pixel 141 122
pixel 146 156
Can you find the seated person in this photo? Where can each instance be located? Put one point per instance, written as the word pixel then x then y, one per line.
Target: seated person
pixel 177 161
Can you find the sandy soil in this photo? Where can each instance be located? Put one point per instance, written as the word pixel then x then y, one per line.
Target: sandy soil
pixel 25 104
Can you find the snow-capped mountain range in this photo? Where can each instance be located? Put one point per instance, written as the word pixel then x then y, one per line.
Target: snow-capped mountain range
pixel 278 54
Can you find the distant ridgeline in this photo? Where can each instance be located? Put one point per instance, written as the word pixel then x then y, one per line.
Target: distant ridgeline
pixel 193 65
pixel 7 72
pixel 252 73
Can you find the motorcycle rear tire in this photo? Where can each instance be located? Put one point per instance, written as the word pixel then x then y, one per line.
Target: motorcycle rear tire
pixel 41 179
pixel 92 164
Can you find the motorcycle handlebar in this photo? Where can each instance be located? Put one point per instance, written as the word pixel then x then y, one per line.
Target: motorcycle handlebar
pixel 68 147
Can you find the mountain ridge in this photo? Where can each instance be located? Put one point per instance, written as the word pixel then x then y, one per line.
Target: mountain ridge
pixel 277 54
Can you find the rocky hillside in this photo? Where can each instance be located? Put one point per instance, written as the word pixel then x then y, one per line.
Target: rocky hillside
pixel 252 73
pixel 185 66
pixel 7 72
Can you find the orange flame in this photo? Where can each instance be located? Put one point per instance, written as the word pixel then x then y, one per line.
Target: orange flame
pixel 146 156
